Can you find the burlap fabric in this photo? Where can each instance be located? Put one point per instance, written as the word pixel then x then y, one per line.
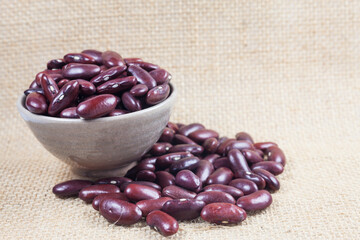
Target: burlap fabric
pixel 286 71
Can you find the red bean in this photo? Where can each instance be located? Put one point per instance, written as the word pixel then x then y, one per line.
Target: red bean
pixel 201 135
pixel 131 173
pixel 162 222
pixel 164 179
pixel 96 202
pixel 33 84
pixel 244 136
pixel 167 135
pixel 118 181
pixel 119 212
pixel 145 175
pixel 107 75
pixel 161 76
pixel 31 90
pixel 144 65
pixel 80 71
pixel 184 163
pixel 252 156
pixel 86 87
pixel 221 162
pixel 55 74
pixel 67 94
pixel 148 159
pixel 264 145
pixel 255 201
pixel 116 85
pixel 223 145
pixel 237 162
pixel 166 160
pixel 183 209
pixel 87 194
pixel 233 191
pixel 49 87
pixel 273 167
pixel 211 158
pixel 223 213
pixel 97 106
pixel 69 113
pixel 142 76
pixel 160 148
pixel 239 145
pixel 246 186
pixel 223 139
pixel 112 59
pixel 271 181
pixel 176 192
pixel 118 112
pixel 144 183
pixel 131 103
pixel 191 148
pixel 173 126
pixel 210 145
pixel 187 129
pixel 220 176
pixel 147 206
pixel 62 82
pixel 70 188
pixel 79 58
pixel 129 60
pixel 181 139
pixel 215 196
pixel 204 170
pixel 55 64
pixel 36 103
pixel 157 94
pixel 139 90
pixel 275 154
pixel 95 55
pixel 188 180
pixel 259 181
pixel 137 192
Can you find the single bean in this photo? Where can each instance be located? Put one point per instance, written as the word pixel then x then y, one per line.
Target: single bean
pixel 131 103
pixel 151 160
pixel 55 74
pixel 147 206
pixel 204 170
pixel 239 145
pixel 139 90
pixel 79 58
pixel 160 148
pixel 264 145
pixel 87 194
pixel 69 113
pixel 119 212
pixel 49 87
pixel 184 163
pixel 131 173
pixel 142 76
pixel 97 106
pixel 215 196
pixel 176 192
pixel 211 158
pixel 275 154
pixel 31 90
pixel 34 85
pixel 80 71
pixel 252 156
pixel 118 181
pixel 144 65
pixel 184 209
pixel 62 82
pixel 96 202
pixel 116 85
pixel 210 145
pixel 191 148
pixel 107 75
pixel 157 94
pixel 223 139
pixel 173 126
pixel 86 87
pixel 145 175
pixel 187 129
pixel 180 125
pixel 221 162
pixel 55 64
pixel 221 175
pixel 103 68
pixel 246 186
pixel 36 103
pixel 244 136
pixel 137 192
pixel 144 183
pixel 70 188
pixel 259 181
pixel 167 135
pixel 233 191
pixel 188 180
pixel 95 55
pixel 112 59
pixel 201 135
pixel 67 94
pixel 118 112
pixel 129 60
pixel 271 181
pixel 237 162
pixel 223 145
pixel 255 201
pixel 162 222
pixel 223 213
pixel 273 167
pixel 166 160
pixel 161 76
pixel 164 179
pixel 181 139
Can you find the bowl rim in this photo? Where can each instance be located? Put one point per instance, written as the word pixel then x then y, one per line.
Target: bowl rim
pixel 41 118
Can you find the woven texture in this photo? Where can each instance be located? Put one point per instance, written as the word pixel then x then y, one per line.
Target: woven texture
pixel 285 71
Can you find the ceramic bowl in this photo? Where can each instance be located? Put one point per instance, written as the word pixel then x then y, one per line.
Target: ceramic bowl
pixel 103 146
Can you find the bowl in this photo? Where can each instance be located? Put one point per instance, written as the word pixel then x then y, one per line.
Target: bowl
pixel 101 147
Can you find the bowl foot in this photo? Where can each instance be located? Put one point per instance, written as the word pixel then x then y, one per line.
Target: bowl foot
pixel 116 172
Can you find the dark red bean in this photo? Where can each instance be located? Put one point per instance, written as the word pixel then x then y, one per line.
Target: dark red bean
pixel 162 222
pixel 210 145
pixel 166 160
pixel 55 64
pixel 223 145
pixel 118 181
pixel 145 175
pixel 221 175
pixel 233 191
pixel 137 192
pixel 273 167
pixel 70 188
pixel 188 180
pixel 142 76
pixel 107 75
pixel 131 103
pixel 62 82
pixel 36 103
pixel 139 90
pixel 118 112
pixel 164 179
pixel 119 212
pixel 151 160
pixel 255 201
pixel 67 95
pixel 259 181
pixel 34 85
pixel 86 87
pixel 275 154
pixel 131 173
pixel 223 139
pixel 184 163
pixel 96 202
pixel 55 74
pixel 147 206
pixel 116 85
pixel 161 76
pixel 201 135
pixel 97 106
pixel 80 71
pixel 252 156
pixel 239 145
pixel 237 162
pixel 264 145
pixel 144 65
pixel 183 209
pixel 187 129
pixel 79 58
pixel 191 148
pixel 160 148
pixel 157 94
pixel 95 55
pixel 271 181
pixel 112 59
pixel 144 183
pixel 49 87
pixel 215 196
pixel 176 192
pixel 261 153
pixel 167 135
pixel 69 113
pixel 129 60
pixel 173 126
pixel 244 136
pixel 246 186
pixel 221 162
pixel 31 90
pixel 223 213
pixel 211 158
pixel 87 194
pixel 204 170
pixel 181 139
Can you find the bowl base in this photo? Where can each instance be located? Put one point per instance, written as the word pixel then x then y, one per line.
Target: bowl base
pixel 115 172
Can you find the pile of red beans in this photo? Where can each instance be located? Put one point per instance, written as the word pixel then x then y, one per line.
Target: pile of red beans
pixel 189 172
pixel 93 84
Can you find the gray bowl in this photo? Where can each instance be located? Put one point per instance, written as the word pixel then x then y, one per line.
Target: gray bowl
pixel 104 146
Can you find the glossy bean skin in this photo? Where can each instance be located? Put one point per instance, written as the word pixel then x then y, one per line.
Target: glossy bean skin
pixel 118 181
pixel 142 76
pixel 62 82
pixel 184 209
pixel 164 179
pixel 96 55
pixel 237 162
pixel 55 64
pixel 255 201
pixel 118 112
pixel 139 90
pixel 187 129
pixel 36 103
pixel 116 85
pixel 246 186
pixel 273 167
pixel 131 173
pixel 86 88
pixel 67 95
pixel 148 159
pixel 244 136
pixel 162 222
pixel 271 181
pixel 188 180
pixel 212 157
pixel 201 135
pixel 87 194
pixel 204 170
pixel 144 65
pixel 233 191
pixel 221 162
pixel 147 206
pixel 160 148
pixel 223 139
pixel 55 74
pixel 31 90
pixel 97 106
pixel 161 76
pixel 107 75
pixel 131 103
pixel 34 85
pixel 137 192
pixel 252 156
pixel 166 160
pixel 215 196
pixel 275 154
pixel 239 145
pixel 210 145
pixel 80 71
pixel 181 139
pixel 176 192
pixel 173 126
pixel 223 213
pixel 69 113
pixel 264 145
pixel 96 202
pixel 111 59
pixel 191 148
pixel 145 175
pixel 119 211
pixel 70 188
pixel 144 183
pixel 223 145
pixel 49 87
pixel 221 175
pixel 79 58
pixel 157 94
pixel 167 135
pixel 259 181
pixel 129 60
pixel 189 163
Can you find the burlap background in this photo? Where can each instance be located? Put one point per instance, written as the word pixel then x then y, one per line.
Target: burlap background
pixel 287 71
